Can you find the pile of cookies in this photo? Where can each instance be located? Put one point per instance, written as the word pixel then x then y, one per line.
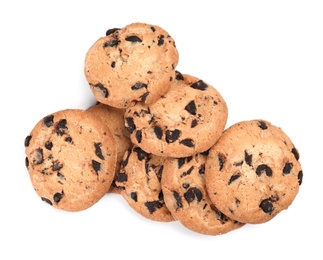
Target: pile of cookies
pixel 157 137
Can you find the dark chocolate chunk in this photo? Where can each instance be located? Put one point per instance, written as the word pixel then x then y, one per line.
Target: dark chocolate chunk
pixel 186 185
pixel 233 178
pixel 264 168
pixel 96 166
pixel 288 168
pixel 133 38
pixel 126 158
pixel 103 89
pixel 160 40
pixel 144 97
pixel 133 195
pixel 221 159
pixel 193 194
pixel 138 136
pixel 267 206
pixel 139 85
pixel 38 157
pixel 61 127
pixel 248 158
pixel 179 76
pixel 199 85
pixel 300 177
pixel 113 64
pixel 111 43
pixel 68 139
pixel 49 121
pixel 98 150
pixel 121 177
pixel 27 140
pixel 188 172
pixel 26 162
pixel 180 162
pixel 187 142
pixel 202 169
pixel 158 132
pixel 110 31
pixel 61 176
pixel 296 154
pixel 177 199
pixel 172 135
pixel 141 154
pixel 57 197
pixel 191 107
pixel 153 28
pixel 262 125
pixel 49 145
pixel 160 172
pixel 193 123
pixel 46 200
pixel 130 125
pixel 152 206
pixel 56 166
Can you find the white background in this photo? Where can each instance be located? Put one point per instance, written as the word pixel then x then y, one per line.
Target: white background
pixel 264 57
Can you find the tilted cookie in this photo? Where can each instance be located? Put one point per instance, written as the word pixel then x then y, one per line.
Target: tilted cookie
pixel 139 181
pixel 185 196
pixel 187 120
pixel 113 118
pixel 71 159
pixel 134 63
pixel 253 172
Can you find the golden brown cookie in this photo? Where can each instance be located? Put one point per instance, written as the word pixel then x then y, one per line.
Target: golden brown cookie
pixel 114 119
pixel 253 172
pixel 185 196
pixel 139 181
pixel 187 120
pixel 134 63
pixel 71 159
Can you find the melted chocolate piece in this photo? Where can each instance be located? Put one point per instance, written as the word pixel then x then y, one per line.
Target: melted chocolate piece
pixel 96 166
pixel 68 139
pixel 152 206
pixel 180 162
pixel 264 168
pixel 57 197
pixel 144 97
pixel 153 28
pixel 248 158
pixel 121 177
pixel 188 172
pixel 49 121
pixel 233 178
pixel 139 85
pixel 103 89
pixel 199 85
pixel 300 177
pixel 187 142
pixel 126 158
pixel 112 43
pixel 262 125
pixel 38 157
pixel 49 145
pixel 296 154
pixel 133 195
pixel 193 123
pixel 138 136
pixel 158 132
pixel 57 166
pixel 191 107
pixel 27 140
pixel 178 200
pixel 221 159
pixel 179 75
pixel 110 31
pixel 61 127
pixel 193 194
pixel 141 154
pixel 287 168
pixel 160 40
pixel 98 150
pixel 267 206
pixel 133 38
pixel 172 135
pixel 46 200
pixel 130 125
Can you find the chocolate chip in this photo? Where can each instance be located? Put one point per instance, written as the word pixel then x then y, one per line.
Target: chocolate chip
pixel 68 139
pixel 133 38
pixel 300 177
pixel 296 154
pixel 191 107
pixel 121 177
pixel 57 166
pixel 111 43
pixel 264 168
pixel 188 172
pixel 158 132
pixel 61 127
pixel 262 125
pixel 139 85
pixel 144 97
pixel 193 194
pixel 180 162
pixel 103 89
pixel 202 169
pixel 26 162
pixel 138 136
pixel 199 85
pixel 96 166
pixel 130 125
pixel 172 135
pixel 126 158
pixel 113 64
pixel 186 185
pixel 57 197
pixel 160 40
pixel 98 150
pixel 37 156
pixel 152 206
pixel 46 200
pixel 160 173
pixel 141 154
pixel 49 121
pixel 187 142
pixel 267 206
pixel 133 195
pixel 193 123
pixel 221 159
pixel 248 158
pixel 287 168
pixel 153 28
pixel 110 31
pixel 61 176
pixel 178 200
pixel 233 178
pixel 27 140
pixel 179 76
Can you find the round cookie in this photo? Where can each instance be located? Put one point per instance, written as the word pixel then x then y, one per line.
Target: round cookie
pixel 139 182
pixel 71 159
pixel 253 172
pixel 113 118
pixel 187 120
pixel 185 195
pixel 134 63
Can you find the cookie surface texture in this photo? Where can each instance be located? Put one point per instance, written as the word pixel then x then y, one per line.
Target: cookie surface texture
pixel 71 159
pixel 114 119
pixel 186 197
pixel 139 181
pixel 134 63
pixel 253 172
pixel 187 120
